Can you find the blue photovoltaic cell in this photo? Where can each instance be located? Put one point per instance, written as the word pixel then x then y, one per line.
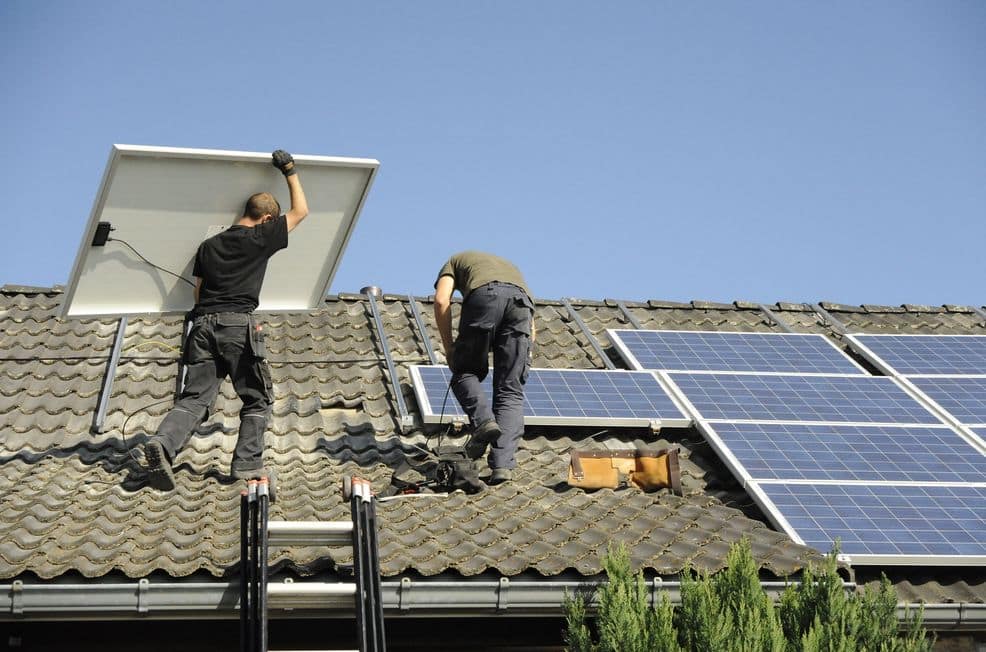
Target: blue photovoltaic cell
pixel 571 394
pixel 885 520
pixel 861 399
pixel 775 451
pixel 929 354
pixel 751 352
pixel 964 398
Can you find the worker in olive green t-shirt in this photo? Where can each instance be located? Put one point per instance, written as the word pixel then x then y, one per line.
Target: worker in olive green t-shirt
pixel 498 315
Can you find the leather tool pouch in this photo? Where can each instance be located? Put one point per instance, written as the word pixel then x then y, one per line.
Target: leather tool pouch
pixel 647 470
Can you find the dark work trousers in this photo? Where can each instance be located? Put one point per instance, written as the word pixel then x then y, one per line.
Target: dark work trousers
pixel 498 316
pixel 219 345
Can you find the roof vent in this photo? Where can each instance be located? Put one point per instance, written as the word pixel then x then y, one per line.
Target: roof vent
pixel 371 289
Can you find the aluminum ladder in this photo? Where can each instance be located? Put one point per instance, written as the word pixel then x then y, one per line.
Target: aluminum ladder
pixel 258 534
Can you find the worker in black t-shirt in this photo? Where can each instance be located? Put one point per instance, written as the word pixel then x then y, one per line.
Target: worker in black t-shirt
pixel 224 340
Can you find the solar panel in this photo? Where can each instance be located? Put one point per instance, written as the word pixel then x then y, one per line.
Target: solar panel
pixel 165 201
pixel 776 451
pixel 940 524
pixel 963 398
pixel 564 397
pixel 727 351
pixel 834 399
pixel 910 355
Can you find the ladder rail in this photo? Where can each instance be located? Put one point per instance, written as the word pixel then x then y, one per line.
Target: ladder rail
pixel 258 533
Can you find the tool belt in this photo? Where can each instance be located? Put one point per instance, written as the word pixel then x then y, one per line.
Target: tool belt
pixel 644 469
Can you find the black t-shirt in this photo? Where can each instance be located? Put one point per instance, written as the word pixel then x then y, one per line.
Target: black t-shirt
pixel 232 265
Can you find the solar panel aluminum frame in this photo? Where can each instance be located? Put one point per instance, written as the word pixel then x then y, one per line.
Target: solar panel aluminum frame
pixel 428 415
pixel 679 396
pixel 877 361
pixel 755 489
pixel 175 295
pixel 634 363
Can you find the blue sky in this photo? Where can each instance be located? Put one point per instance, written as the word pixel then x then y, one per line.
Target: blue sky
pixel 759 151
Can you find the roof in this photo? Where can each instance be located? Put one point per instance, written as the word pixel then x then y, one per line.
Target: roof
pixel 75 503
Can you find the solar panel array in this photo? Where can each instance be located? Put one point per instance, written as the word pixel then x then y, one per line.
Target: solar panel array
pixel 950 370
pixel 800 353
pixel 829 451
pixel 830 456
pixel 564 397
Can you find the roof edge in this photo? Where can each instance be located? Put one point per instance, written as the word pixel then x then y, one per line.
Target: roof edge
pixel 403 598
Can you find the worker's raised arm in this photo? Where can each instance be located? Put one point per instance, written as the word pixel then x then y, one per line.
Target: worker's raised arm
pixel 443 312
pixel 299 205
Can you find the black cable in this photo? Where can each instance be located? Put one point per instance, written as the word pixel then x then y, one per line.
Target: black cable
pixel 178 276
pixel 123 430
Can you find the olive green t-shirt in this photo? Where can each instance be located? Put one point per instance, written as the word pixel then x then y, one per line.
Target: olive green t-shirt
pixel 473 269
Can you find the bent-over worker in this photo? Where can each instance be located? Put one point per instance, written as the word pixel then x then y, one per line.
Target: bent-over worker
pixel 498 314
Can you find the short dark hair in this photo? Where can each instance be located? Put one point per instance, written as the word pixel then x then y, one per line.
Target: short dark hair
pixel 260 204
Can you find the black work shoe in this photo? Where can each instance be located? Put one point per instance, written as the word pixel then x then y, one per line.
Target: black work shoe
pixel 485 434
pixel 499 476
pixel 256 474
pixel 159 473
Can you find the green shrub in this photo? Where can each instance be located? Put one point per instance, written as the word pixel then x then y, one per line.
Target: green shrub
pixel 729 611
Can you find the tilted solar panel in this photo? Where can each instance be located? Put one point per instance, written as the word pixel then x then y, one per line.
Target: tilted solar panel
pixel 964 398
pixel 777 451
pixel 910 355
pixel 937 524
pixel 564 397
pixel 727 351
pixel 836 399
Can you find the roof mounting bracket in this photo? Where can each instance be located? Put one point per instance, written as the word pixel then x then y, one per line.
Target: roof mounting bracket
pixel 775 319
pixel 655 426
pixel 370 293
pixel 501 594
pixel 99 417
pixel 422 329
pixel 404 594
pixel 828 319
pixel 17 598
pixel 981 313
pixel 589 336
pixel 629 315
pixel 143 591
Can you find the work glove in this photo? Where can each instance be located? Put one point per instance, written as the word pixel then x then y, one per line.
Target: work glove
pixel 283 162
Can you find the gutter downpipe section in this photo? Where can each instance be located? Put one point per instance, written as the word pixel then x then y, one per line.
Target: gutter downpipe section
pixel 401 598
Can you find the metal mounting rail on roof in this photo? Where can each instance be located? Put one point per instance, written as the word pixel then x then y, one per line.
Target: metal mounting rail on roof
pixel 775 319
pixel 828 319
pixel 585 331
pixel 422 330
pixel 406 420
pixel 980 312
pixel 629 315
pixel 99 417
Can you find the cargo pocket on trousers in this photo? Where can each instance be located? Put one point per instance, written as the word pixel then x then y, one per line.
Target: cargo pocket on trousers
pixel 471 351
